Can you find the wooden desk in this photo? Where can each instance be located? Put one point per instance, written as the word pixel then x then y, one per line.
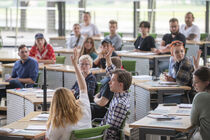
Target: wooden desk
pixel 170 128
pixel 63 74
pixel 8 55
pixel 142 96
pixel 142 60
pixel 23 101
pixel 24 122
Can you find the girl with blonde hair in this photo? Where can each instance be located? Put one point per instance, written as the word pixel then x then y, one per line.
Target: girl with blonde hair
pixel 67 113
pixel 89 48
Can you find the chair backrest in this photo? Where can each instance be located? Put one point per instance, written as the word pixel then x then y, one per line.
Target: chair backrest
pixel 154 35
pixel 129 65
pixel 107 33
pixel 203 36
pixel 96 133
pixel 60 59
pixel 98 86
pixel 37 80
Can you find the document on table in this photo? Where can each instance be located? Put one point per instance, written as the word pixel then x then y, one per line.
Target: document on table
pixel 185 105
pixel 40 117
pixel 36 127
pixel 143 77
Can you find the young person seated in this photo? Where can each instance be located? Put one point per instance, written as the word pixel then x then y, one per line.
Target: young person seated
pixel 75 40
pixel 180 67
pixel 200 113
pixel 119 84
pixel 145 42
pixel 100 61
pixel 25 70
pixel 89 48
pixel 114 36
pixel 42 51
pixel 67 113
pixel 85 64
pixel 87 28
pixel 167 40
pixel 104 97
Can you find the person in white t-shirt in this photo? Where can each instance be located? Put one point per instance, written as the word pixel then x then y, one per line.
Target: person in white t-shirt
pixel 75 40
pixel 67 113
pixel 87 28
pixel 190 31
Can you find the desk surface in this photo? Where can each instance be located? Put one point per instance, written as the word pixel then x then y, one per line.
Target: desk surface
pixel 59 67
pixel 197 43
pixel 23 123
pixel 63 50
pixel 148 55
pixel 154 86
pixel 31 94
pixel 182 124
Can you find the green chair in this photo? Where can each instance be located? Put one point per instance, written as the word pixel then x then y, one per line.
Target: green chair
pixel 98 87
pixel 203 36
pixel 60 59
pixel 96 133
pixel 154 35
pixel 107 33
pixel 130 66
pixel 36 84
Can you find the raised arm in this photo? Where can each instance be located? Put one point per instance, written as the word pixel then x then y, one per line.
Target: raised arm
pixel 80 77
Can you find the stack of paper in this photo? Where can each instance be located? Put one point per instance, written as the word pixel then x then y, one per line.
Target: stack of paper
pixel 163 117
pixel 185 105
pixel 36 127
pixel 143 77
pixel 6 130
pixel 40 117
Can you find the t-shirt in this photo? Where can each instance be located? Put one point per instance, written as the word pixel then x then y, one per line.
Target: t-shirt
pixel 72 41
pixel 64 133
pixel 190 30
pixel 168 38
pixel 144 44
pixel 116 41
pixel 90 30
pixel 200 113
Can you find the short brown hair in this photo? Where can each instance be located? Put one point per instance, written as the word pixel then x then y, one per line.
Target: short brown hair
pixel 124 77
pixel 116 61
pixel 203 73
pixel 191 14
pixel 21 46
pixel 113 22
pixel 173 20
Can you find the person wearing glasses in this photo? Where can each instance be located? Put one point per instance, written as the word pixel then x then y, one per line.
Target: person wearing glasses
pixel 89 48
pixel 75 40
pixel 85 64
pixel 200 113
pixel 25 70
pixel 42 51
pixel 87 28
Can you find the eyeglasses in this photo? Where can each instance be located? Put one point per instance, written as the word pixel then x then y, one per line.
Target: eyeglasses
pixel 22 52
pixel 84 64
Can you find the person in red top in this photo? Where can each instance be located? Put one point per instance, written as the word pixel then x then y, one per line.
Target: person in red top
pixel 42 51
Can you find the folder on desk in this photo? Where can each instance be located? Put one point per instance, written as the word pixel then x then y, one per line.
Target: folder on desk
pixel 36 127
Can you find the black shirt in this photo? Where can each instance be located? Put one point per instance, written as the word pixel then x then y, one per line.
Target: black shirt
pixel 168 38
pixel 144 44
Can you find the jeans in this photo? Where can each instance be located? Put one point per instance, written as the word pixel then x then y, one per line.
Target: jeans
pixel 15 84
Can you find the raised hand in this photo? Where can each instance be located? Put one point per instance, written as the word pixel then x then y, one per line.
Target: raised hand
pixel 197 59
pixel 74 57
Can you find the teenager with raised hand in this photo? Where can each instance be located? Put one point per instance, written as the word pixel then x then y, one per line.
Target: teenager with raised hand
pixel 67 113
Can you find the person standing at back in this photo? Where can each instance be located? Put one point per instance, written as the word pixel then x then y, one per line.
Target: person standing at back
pixel 87 28
pixel 190 31
pixel 114 36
